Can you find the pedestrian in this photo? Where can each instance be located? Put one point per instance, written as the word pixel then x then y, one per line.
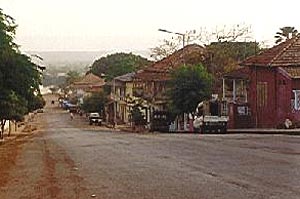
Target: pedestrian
pixel 71 116
pixel 114 124
pixel 288 123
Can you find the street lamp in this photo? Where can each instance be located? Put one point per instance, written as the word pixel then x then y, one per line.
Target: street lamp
pixel 176 33
pixel 115 103
pixel 183 57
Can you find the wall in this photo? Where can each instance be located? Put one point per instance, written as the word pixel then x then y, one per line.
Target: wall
pixel 296 86
pixel 264 116
pixel 284 86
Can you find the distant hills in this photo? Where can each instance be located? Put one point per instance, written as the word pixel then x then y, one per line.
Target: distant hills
pixel 60 62
pixel 75 58
pixel 67 58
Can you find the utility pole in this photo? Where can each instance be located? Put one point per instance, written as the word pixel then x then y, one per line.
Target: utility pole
pixel 185 116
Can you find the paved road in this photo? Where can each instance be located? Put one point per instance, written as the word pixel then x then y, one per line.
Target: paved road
pixel 69 159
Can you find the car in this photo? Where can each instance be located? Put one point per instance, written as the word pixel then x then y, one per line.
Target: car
pixel 94 118
pixel 40 110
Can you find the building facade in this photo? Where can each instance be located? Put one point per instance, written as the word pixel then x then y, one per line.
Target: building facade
pixel 271 87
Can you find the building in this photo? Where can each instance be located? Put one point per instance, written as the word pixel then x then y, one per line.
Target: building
pixel 123 97
pixel 266 91
pixel 89 84
pixel 150 84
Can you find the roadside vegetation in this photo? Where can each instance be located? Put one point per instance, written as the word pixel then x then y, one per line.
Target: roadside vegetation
pixel 188 86
pixel 19 77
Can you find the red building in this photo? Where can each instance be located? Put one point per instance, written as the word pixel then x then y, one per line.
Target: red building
pixel 266 91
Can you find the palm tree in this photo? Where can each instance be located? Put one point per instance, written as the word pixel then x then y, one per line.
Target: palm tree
pixel 285 33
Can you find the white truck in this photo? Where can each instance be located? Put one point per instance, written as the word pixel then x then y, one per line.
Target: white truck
pixel 210 117
pixel 94 118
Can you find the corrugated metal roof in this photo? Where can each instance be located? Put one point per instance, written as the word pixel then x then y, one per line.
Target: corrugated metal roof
pixel 241 73
pixel 282 55
pixel 126 78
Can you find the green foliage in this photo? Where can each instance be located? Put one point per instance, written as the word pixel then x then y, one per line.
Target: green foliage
pixel 12 107
pixel 137 117
pixel 36 102
pixel 94 103
pixel 118 64
pixel 285 33
pixel 72 76
pixel 7 31
pixel 188 86
pixel 19 77
pixel 223 57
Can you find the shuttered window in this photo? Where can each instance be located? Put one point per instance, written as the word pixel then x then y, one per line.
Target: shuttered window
pixel 262 94
pixel 296 100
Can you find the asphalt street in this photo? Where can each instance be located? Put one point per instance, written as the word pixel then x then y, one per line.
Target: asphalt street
pixel 70 159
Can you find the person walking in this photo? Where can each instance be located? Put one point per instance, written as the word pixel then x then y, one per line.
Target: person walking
pixel 71 116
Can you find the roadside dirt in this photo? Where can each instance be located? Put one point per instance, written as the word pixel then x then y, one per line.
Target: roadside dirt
pixel 11 147
pixel 31 166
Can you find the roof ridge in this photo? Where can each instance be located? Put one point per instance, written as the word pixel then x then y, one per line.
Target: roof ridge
pixel 292 41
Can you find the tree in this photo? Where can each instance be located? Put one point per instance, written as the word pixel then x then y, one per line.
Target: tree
pixel 165 49
pixel 137 117
pixel 95 103
pixel 285 33
pixel 7 31
pixel 12 107
pixel 72 76
pixel 225 47
pixel 234 33
pixel 118 64
pixel 224 56
pixel 188 86
pixel 19 76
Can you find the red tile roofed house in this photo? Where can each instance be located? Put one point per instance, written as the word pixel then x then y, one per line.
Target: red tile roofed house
pixel 89 84
pixel 273 78
pixel 150 83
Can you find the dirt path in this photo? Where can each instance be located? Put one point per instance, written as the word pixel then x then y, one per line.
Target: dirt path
pixel 34 167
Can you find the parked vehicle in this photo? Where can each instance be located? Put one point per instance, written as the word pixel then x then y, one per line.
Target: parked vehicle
pixel 40 110
pixel 160 121
pixel 94 118
pixel 210 117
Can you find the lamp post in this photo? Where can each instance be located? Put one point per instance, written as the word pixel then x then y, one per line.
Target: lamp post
pixel 183 57
pixel 176 33
pixel 115 103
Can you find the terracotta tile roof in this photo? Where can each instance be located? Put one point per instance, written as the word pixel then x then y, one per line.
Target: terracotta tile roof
pixel 294 72
pixel 88 81
pixel 159 71
pixel 284 54
pixel 241 73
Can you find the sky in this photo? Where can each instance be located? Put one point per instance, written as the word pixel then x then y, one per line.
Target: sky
pixel 122 25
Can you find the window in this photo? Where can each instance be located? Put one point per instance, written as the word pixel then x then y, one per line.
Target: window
pixel 296 100
pixel 262 94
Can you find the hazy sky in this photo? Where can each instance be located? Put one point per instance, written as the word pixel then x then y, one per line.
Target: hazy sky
pixel 132 24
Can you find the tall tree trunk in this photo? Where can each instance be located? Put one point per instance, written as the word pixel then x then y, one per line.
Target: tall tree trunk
pixel 9 127
pixel 2 128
